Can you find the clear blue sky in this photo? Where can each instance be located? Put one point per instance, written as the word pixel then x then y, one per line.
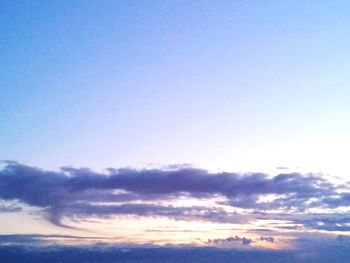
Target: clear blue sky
pixel 227 84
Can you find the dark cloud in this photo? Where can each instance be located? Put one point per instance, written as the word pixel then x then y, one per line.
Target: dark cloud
pixel 58 254
pixel 54 249
pixel 220 241
pixel 82 192
pixel 267 239
pixel 330 222
pixel 130 254
pixel 337 200
pixel 242 240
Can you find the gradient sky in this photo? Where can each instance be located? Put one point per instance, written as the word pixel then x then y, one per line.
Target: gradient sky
pixel 224 86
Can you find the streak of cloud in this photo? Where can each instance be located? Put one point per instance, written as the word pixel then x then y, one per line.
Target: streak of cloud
pixel 81 192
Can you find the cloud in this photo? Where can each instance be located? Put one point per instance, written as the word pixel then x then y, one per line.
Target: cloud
pixel 338 200
pixel 330 222
pixel 242 240
pixel 151 254
pixel 183 213
pixel 267 239
pixel 59 248
pixel 220 241
pixel 39 240
pixel 8 207
pixel 81 192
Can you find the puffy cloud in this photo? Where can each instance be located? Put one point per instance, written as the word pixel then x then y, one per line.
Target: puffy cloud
pixel 242 240
pixel 219 241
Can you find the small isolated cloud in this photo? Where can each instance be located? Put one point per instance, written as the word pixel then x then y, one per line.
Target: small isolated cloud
pixel 267 239
pixel 241 240
pixel 220 241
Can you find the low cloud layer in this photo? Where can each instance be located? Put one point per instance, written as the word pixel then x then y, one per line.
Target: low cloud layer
pixel 74 192
pixel 152 254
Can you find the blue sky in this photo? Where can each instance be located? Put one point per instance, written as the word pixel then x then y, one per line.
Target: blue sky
pixel 248 100
pixel 208 83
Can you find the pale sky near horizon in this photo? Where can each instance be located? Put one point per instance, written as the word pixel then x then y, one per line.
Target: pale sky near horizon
pixel 231 85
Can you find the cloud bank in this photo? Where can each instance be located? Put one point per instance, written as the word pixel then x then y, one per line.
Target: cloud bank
pixel 153 254
pixel 73 192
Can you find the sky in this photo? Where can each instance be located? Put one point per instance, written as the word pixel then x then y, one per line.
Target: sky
pixel 202 124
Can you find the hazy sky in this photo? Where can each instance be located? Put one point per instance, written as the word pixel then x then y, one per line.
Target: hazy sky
pixel 229 87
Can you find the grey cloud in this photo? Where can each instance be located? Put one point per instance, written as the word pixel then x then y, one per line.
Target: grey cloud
pixel 78 192
pixel 242 240
pixel 151 210
pixel 267 239
pixel 9 208
pixel 39 248
pixel 219 241
pixel 330 222
pixel 338 200
pixel 58 254
pixel 37 239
